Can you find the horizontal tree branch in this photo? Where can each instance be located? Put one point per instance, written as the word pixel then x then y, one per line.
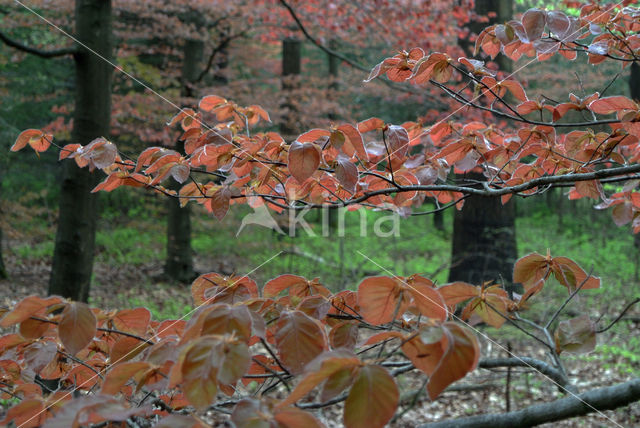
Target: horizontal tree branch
pixel 539 365
pixel 34 51
pixel 348 60
pixel 596 400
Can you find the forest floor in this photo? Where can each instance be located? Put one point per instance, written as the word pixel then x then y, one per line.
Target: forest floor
pixel 128 273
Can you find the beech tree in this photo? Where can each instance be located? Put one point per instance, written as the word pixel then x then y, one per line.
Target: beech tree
pixel 75 237
pixel 272 354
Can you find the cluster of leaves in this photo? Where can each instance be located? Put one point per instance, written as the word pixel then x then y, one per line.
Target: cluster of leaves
pixel 240 340
pixel 396 167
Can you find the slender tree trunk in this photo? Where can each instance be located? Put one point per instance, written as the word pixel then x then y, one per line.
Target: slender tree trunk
pixel 438 220
pixel 291 66
pixel 634 89
pixel 222 60
pixel 179 263
pixel 484 239
pixel 3 270
pixel 75 237
pixel 334 87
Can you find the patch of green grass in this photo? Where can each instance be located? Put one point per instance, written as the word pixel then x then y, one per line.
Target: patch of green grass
pixel 339 261
pixel 42 250
pixel 168 309
pixel 133 244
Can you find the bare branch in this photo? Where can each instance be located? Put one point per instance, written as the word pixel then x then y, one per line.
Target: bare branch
pixel 619 317
pixel 539 365
pixel 34 51
pixel 348 60
pixel 596 400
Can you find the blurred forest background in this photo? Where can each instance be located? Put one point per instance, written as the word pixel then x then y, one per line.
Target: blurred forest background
pixel 237 52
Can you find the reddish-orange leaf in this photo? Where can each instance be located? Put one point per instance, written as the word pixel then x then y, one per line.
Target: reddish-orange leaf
pixel 315 306
pixel 225 319
pixel 325 366
pixel 608 105
pixel 338 382
pixel 572 276
pixel 134 321
pixel 530 269
pixel 313 135
pixel 218 202
pixel 299 339
pixel 458 292
pixel 294 418
pixel 304 160
pixel 27 307
pixel 379 297
pixel 426 349
pixel 372 400
pixel 37 139
pixel 346 173
pixel 344 335
pixel 118 376
pixel 515 88
pixel 370 124
pixel 384 335
pixel 528 107
pixel 34 329
pixel 428 300
pixel 297 286
pixel 212 287
pixel 29 413
pixel 398 140
pixel 210 102
pixel 77 326
pixel 533 22
pixel 283 282
pixel 199 370
pixel 461 356
pixel 353 141
pixel 126 348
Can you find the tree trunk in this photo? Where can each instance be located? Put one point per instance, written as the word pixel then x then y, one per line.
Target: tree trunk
pixel 291 66
pixel 75 238
pixel 3 270
pixel 332 96
pixel 222 59
pixel 179 263
pixel 484 239
pixel 634 90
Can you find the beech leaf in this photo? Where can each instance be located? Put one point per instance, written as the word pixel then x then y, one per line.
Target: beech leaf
pixel 77 327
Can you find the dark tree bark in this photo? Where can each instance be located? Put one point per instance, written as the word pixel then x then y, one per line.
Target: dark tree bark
pixel 484 238
pixel 600 399
pixel 179 263
pixel 75 237
pixel 484 241
pixel 334 87
pixel 3 270
pixel 291 66
pixel 634 90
